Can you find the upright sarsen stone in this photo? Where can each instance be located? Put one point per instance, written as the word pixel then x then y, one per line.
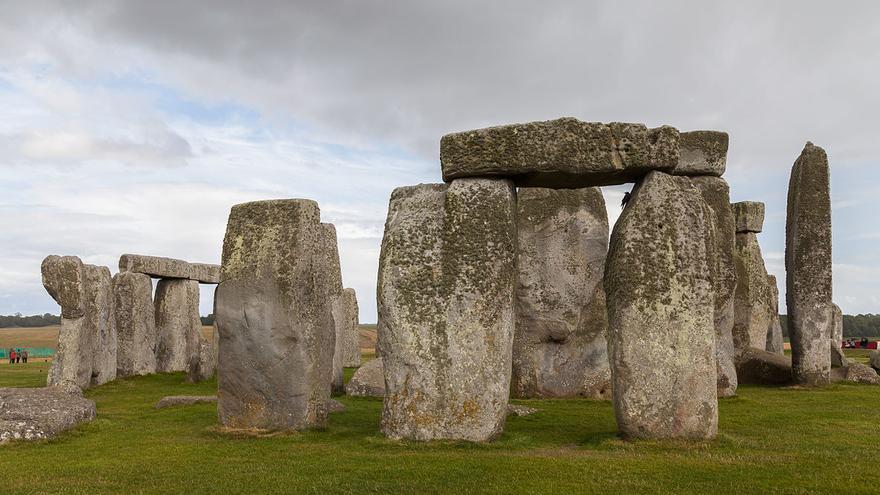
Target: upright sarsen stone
pixel 753 295
pixel 775 343
pixel 351 347
pixel 178 325
pixel 446 309
pixel 560 347
pixel 102 322
pixel 808 267
pixel 838 359
pixel 135 324
pixel 273 316
pixel 661 306
pixel 716 193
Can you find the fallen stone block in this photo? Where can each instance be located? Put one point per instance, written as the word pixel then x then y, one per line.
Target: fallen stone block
pixel 334 406
pixel 702 153
pixel 518 410
pixel 367 381
pixel 565 152
pixel 760 367
pixel 41 413
pixel 185 400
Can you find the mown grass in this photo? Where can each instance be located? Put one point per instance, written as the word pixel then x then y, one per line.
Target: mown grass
pixel 772 440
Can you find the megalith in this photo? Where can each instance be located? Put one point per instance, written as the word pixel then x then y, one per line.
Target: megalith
pixel 446 309
pixel 808 267
pixel 333 272
pixel 564 153
pixel 368 380
pixel 351 347
pixel 135 324
pixel 274 319
pixel 775 343
pixel 703 153
pixel 86 353
pixel 716 193
pixel 753 301
pixel 838 359
pixel 201 367
pixel 661 306
pixel 178 325
pixel 560 346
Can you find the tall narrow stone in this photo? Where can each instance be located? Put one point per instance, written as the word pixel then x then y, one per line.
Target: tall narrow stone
pixel 351 347
pixel 753 302
pixel 135 324
pixel 838 359
pixel 333 273
pixel 775 343
pixel 808 267
pixel 273 315
pixel 716 193
pixel 560 347
pixel 661 306
pixel 102 322
pixel 178 325
pixel 446 309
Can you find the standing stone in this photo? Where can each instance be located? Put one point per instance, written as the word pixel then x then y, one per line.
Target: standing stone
pixel 101 322
pixel 368 380
pixel 333 273
pixel 135 324
pixel 446 309
pixel 274 318
pixel 716 193
pixel 201 367
pixel 661 306
pixel 560 348
pixel 808 267
pixel 178 324
pixel 775 342
pixel 753 306
pixel 351 346
pixel 838 359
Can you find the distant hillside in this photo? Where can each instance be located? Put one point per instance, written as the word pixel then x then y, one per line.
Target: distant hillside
pixel 17 320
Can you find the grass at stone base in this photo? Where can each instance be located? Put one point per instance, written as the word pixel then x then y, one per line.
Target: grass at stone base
pixel 772 440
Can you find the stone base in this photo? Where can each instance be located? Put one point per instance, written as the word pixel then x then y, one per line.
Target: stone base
pixel 41 413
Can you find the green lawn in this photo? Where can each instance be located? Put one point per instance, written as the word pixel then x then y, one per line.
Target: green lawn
pixel 772 440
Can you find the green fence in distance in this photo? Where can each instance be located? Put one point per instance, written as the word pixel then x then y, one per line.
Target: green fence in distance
pixel 33 352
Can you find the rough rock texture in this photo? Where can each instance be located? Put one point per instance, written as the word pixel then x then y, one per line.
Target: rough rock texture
pixel 446 309
pixel 41 413
pixel 838 359
pixel 135 324
pixel 368 380
pixel 185 400
pixel 273 316
pixel 716 193
pixel 517 410
pixel 178 326
pixel 154 266
pixel 753 303
pixel 332 271
pixel 560 347
pixel 808 266
pixel 875 360
pixel 759 367
pixel 702 153
pixel 351 348
pixel 334 405
pixel 775 342
pixel 202 366
pixel 565 152
pixel 861 373
pixel 661 305
pixel 86 352
pixel 749 216
pixel 205 273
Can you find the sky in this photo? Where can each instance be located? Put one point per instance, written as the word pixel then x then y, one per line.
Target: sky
pixel 133 127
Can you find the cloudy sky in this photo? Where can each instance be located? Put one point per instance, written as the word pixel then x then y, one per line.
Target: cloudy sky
pixel 134 126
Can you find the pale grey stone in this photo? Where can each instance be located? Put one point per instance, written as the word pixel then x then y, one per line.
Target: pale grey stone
pixel 861 373
pixel 351 345
pixel 185 400
pixel 661 302
pixel 560 348
pixel 775 341
pixel 334 405
pixel 875 360
pixel 760 367
pixel 205 273
pixel 62 279
pixel 178 326
pixel 154 266
pixel 135 324
pixel 368 380
pixel 201 367
pixel 565 152
pixel 274 319
pixel 101 322
pixel 749 216
pixel 808 267
pixel 41 413
pixel 333 273
pixel 753 306
pixel 716 193
pixel 702 153
pixel 446 309
pixel 838 359
pixel 517 410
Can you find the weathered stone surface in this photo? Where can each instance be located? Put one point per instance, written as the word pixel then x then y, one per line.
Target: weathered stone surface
pixel 154 266
pixel 753 302
pixel 446 309
pixel 86 353
pixel 185 400
pixel 351 347
pixel 333 273
pixel 178 325
pixel 41 413
pixel 368 380
pixel 749 216
pixel 759 367
pixel 273 316
pixel 775 343
pixel 838 359
pixel 565 152
pixel 517 410
pixel 702 153
pixel 334 405
pixel 875 360
pixel 861 373
pixel 808 266
pixel 135 324
pixel 560 347
pixel 205 273
pixel 716 193
pixel 661 304
pixel 201 367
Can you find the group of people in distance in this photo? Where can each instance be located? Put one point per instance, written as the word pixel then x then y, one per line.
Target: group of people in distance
pixel 18 356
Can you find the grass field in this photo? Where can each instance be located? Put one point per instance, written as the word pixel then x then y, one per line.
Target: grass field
pixel 772 440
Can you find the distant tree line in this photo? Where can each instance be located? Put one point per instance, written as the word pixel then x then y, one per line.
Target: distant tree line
pixel 17 320
pixel 867 325
pixel 207 321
